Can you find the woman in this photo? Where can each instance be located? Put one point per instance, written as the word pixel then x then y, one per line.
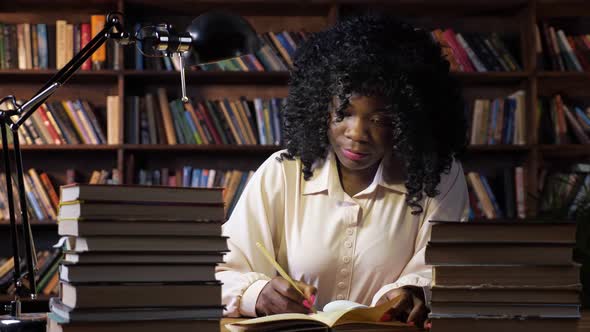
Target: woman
pixel 373 122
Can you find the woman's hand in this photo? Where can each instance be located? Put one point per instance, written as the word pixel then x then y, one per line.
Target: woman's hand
pixel 278 297
pixel 411 307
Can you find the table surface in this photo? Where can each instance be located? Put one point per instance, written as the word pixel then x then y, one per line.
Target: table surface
pixel 583 324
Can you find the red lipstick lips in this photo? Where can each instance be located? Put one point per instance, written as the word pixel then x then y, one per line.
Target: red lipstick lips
pixel 353 155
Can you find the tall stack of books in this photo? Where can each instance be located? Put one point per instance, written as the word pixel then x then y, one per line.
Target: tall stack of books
pixel 494 276
pixel 139 258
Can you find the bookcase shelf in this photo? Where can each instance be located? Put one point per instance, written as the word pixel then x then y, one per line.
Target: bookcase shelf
pixel 498 148
pixel 565 150
pixel 202 77
pixel 265 149
pixel 68 147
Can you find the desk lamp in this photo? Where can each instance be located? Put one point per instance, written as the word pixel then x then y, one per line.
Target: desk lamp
pixel 212 36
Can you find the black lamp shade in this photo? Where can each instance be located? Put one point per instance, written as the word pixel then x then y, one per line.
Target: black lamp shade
pixel 219 36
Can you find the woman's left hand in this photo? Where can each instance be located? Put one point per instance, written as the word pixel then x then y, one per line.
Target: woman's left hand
pixel 411 307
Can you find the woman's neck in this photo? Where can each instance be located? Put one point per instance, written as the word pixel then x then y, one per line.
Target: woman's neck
pixel 355 181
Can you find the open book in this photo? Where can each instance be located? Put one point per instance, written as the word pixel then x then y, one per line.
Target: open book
pixel 353 318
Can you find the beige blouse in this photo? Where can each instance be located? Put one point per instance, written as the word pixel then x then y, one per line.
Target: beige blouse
pixel 355 248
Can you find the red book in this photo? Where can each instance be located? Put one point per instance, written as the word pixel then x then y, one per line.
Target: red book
pixel 449 36
pixel 50 129
pixel 85 39
pixel 50 190
pixel 202 114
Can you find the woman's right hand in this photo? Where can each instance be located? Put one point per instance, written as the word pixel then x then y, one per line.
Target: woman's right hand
pixel 278 297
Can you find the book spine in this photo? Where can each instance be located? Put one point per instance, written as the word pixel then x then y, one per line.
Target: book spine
pixel 99 57
pixel 96 127
pixel 52 131
pixel 202 113
pixel 50 190
pixel 210 112
pixel 167 117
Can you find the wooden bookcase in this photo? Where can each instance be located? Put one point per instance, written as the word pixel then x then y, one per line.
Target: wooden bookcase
pixel 513 16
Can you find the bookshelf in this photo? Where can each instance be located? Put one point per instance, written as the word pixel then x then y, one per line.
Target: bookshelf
pixel 513 17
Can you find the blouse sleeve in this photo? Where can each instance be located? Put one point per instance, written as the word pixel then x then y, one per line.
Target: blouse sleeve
pixel 451 204
pixel 254 219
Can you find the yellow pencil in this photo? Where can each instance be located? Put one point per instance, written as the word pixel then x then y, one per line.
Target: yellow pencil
pixel 283 273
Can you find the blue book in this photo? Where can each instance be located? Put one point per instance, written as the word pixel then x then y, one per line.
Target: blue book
pixel 258 110
pixel 157 177
pixel 490 193
pixel 204 178
pixel 508 135
pixel 234 120
pixel 285 44
pixel 582 116
pixel 196 177
pixel 142 178
pixel 168 64
pixel 192 128
pixel 493 121
pixel 276 122
pixel 42 46
pixel 186 176
pixel 582 192
pixel 138 55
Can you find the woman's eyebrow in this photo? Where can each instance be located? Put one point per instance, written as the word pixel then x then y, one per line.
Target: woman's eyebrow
pixel 381 110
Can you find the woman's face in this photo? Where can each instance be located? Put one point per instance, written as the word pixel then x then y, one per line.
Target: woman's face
pixel 362 136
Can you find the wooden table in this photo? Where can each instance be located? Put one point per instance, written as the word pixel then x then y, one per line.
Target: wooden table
pixel 583 324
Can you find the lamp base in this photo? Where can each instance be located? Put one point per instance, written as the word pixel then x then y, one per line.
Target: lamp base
pixel 29 322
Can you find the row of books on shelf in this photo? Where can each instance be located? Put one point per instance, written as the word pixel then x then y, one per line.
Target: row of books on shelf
pixel 275 54
pixel 562 194
pixel 565 192
pixel 559 51
pixel 224 121
pixel 467 52
pixel 63 122
pixel 51 46
pixel 562 121
pixel 500 196
pixel 42 195
pixel 234 181
pixel 499 120
pixel 476 52
pixel 47 277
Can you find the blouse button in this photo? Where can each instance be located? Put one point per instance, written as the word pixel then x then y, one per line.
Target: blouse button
pixel 349 231
pixel 344 272
pixel 340 297
pixel 346 259
pixel 341 285
pixel 348 244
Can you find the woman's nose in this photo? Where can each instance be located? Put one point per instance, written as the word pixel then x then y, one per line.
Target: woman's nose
pixel 356 129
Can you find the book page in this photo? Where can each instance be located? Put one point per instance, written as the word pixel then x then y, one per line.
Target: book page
pixel 330 319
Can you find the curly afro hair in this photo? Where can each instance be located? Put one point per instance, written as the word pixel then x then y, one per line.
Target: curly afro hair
pixel 377 55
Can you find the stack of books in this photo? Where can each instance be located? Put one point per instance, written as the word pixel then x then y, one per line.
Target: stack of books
pixel 503 276
pixel 139 258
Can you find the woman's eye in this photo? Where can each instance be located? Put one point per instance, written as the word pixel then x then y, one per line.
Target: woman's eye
pixel 381 120
pixel 341 115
